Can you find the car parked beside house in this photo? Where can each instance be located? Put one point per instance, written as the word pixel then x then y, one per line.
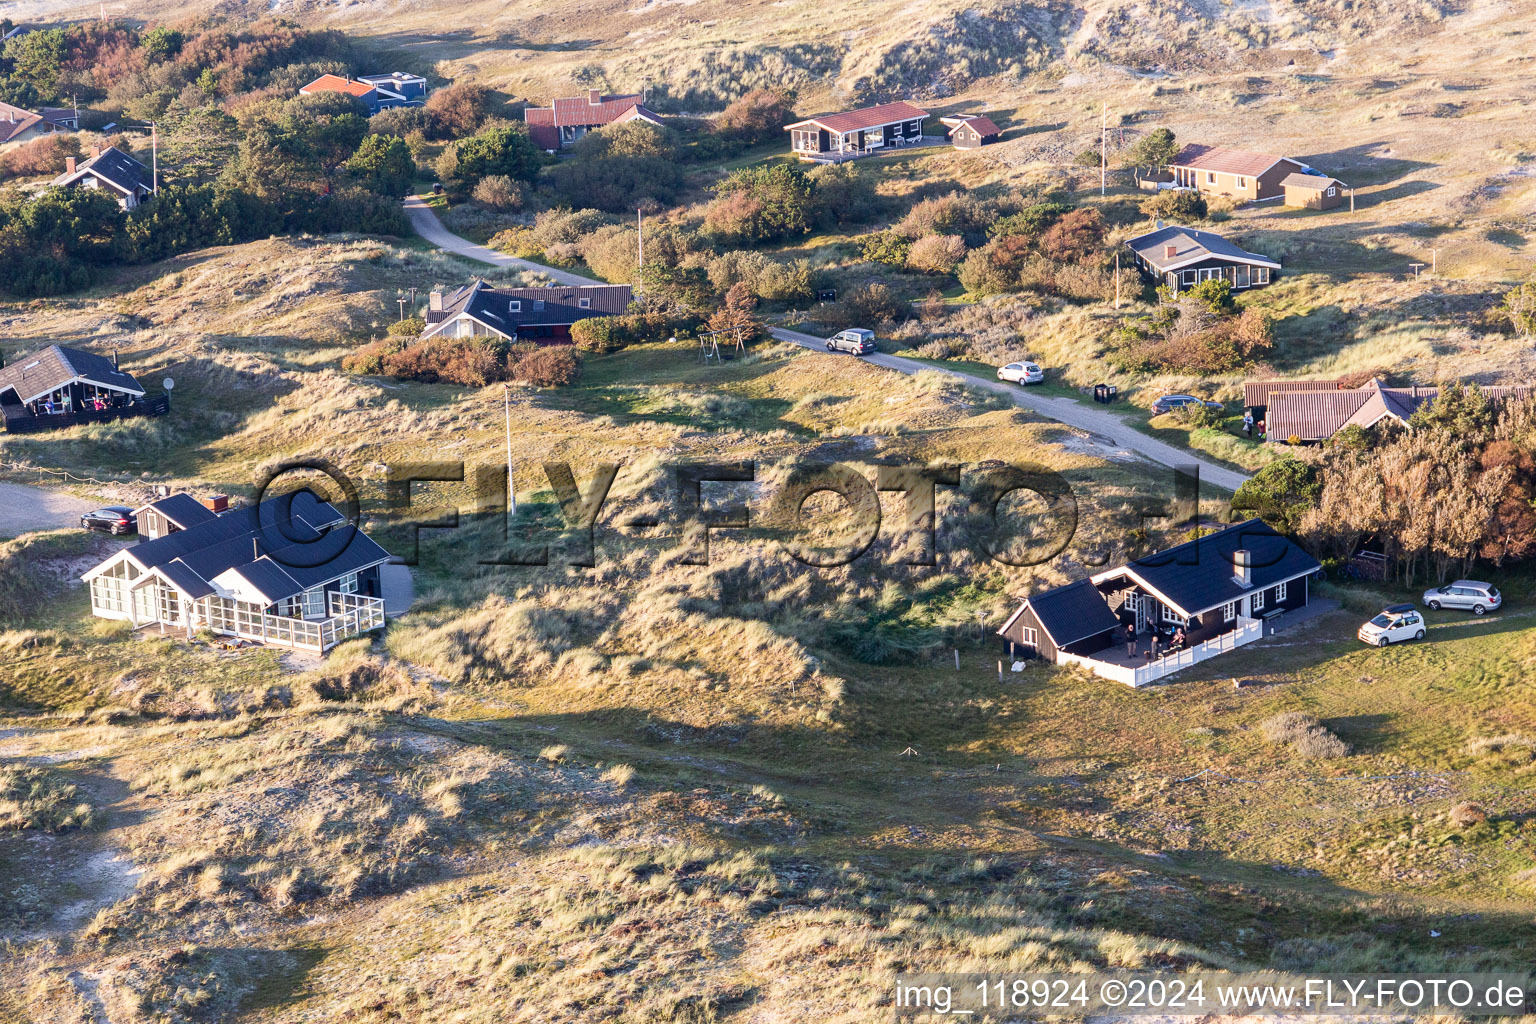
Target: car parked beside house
pixel 1472 595
pixel 1396 622
pixel 1168 403
pixel 114 519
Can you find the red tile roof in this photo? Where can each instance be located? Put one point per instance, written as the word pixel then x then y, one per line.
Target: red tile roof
pixel 335 83
pixel 983 126
pixel 866 117
pixel 1227 161
pixel 580 110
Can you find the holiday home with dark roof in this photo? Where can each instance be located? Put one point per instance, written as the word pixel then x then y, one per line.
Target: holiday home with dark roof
pixel 542 314
pixel 289 572
pixel 1179 257
pixel 56 387
pixel 855 133
pixel 112 171
pixel 1220 590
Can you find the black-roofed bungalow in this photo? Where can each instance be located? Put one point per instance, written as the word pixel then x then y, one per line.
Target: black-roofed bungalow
pixel 1180 257
pixel 1220 590
pixel 543 315
pixel 1071 618
pixel 290 572
pixel 119 175
pixel 59 387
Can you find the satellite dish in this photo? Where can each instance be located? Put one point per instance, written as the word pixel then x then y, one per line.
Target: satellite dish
pixel 169 384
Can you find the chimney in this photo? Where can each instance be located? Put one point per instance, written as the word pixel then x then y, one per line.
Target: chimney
pixel 1242 570
pixel 69 165
pixel 95 152
pixel 435 301
pixel 255 548
pixel 114 359
pixel 594 96
pixel 1170 251
pixel 216 503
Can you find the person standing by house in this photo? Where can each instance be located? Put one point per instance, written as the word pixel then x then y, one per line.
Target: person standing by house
pixel 1248 423
pixel 1130 640
pixel 1155 641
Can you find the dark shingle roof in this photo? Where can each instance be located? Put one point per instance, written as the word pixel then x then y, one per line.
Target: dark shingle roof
pixel 38 373
pixel 277 547
pixel 559 305
pixel 116 168
pixel 182 509
pixel 1072 612
pixel 1191 246
pixel 1199 574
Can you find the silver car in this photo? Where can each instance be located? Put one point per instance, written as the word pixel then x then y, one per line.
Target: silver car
pixel 1469 594
pixel 857 340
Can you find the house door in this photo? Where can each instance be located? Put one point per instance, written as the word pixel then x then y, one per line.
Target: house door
pixel 1242 279
pixel 146 603
pixel 1141 604
pixel 170 605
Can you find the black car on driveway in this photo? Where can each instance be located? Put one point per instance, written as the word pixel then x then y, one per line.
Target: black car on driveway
pixel 114 519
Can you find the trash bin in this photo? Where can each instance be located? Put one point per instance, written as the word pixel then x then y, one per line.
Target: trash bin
pixel 1103 393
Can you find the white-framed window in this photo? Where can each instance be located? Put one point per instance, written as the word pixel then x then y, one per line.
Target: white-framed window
pixel 1031 637
pixel 1258 600
pixel 1131 600
pixel 348 583
pixel 1229 612
pixel 1279 593
pixel 1169 615
pixel 1332 191
pixel 1210 177
pixel 584 303
pixel 514 306
pixel 1261 275
pixel 1189 276
pixel 1242 182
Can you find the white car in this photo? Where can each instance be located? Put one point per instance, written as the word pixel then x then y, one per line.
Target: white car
pixel 1396 622
pixel 1021 373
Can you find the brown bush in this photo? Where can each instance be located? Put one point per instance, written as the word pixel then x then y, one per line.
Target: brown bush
pixel 1076 237
pixel 40 156
pixel 458 110
pixel 1466 814
pixel 549 367
pixel 936 254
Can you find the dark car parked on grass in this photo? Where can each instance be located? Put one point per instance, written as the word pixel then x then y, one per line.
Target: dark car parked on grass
pixel 114 519
pixel 1168 403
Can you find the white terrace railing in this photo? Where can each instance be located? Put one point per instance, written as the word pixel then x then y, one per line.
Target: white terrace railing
pixel 347 615
pixel 1247 631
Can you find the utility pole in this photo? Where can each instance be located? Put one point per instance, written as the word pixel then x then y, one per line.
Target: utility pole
pixel 640 230
pixel 400 298
pixel 154 150
pixel 1415 267
pixel 1103 148
pixel 1434 256
pixel 1117 280
pixel 506 391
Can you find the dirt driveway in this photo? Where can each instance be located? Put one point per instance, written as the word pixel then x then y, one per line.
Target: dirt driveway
pixel 25 507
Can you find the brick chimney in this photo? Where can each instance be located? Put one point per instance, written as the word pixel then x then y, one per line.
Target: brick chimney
pixel 95 152
pixel 69 165
pixel 435 301
pixel 1170 251
pixel 594 96
pixel 216 503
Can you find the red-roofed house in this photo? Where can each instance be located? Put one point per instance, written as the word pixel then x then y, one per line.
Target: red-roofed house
pixel 1220 171
pixel 19 125
pixel 831 137
pixel 971 131
pixel 373 96
pixel 560 124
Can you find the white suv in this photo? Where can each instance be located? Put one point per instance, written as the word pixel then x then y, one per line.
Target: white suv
pixel 1470 594
pixel 1396 622
pixel 1021 373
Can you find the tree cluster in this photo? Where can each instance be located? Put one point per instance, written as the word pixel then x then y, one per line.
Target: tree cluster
pixel 1199 330
pixel 469 362
pixel 1458 485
